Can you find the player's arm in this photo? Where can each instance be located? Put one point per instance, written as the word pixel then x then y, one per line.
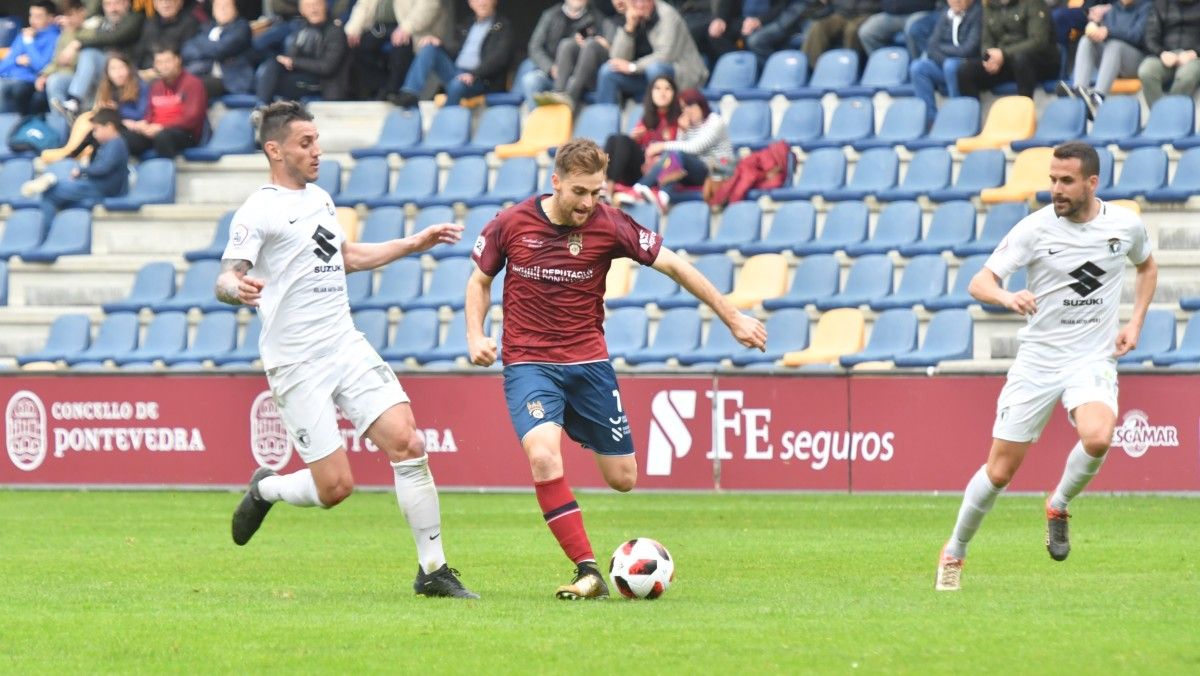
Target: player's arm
pixel 1143 292
pixel 364 256
pixel 234 287
pixel 481 348
pixel 985 287
pixel 748 330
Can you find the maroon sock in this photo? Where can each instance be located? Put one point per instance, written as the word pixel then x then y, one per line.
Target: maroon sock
pixel 564 518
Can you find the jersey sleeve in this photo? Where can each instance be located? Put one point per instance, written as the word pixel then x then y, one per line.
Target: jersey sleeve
pixel 1015 251
pixel 246 234
pixel 488 252
pixel 1139 248
pixel 633 240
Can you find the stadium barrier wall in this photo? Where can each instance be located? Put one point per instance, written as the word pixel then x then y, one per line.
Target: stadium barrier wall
pixel 832 433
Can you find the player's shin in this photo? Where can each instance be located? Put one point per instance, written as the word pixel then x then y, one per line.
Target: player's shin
pixel 418 498
pixel 1081 467
pixel 297 488
pixel 978 499
pixel 564 518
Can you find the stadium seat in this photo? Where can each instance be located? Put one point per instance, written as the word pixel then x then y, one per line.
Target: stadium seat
pixel 618 280
pixel 155 184
pixel 733 71
pixel 816 277
pixel 687 225
pixel 165 336
pixel 716 268
pixel 446 287
pixel 69 334
pixel 382 225
pixel 893 332
pixel 928 170
pixel 454 345
pixel 497 126
pixel 358 287
pixel 24 230
pixel 347 217
pixel 980 170
pixel 644 214
pixel 196 290
pixel 678 333
pixel 546 127
pixel 417 332
pixel 625 331
pixel 924 276
pixel 899 224
pixel 1186 182
pixel 516 179
pixel 246 352
pixel 416 181
pixel 957 118
pixel 432 216
pixel 1157 337
pixel 903 122
pixel 498 286
pixel 1011 118
pixel 1118 119
pixel 1145 169
pixel 13 174
pixel 649 286
pixel 1062 119
pixel 118 334
pixel 368 180
pixel 886 70
pixel 399 283
pixel 740 222
pixel 7 122
pixel 466 179
pixel 838 333
pixel 1189 346
pixel 70 235
pixel 786 70
pixel 877 169
pixel 788 330
pixel 834 71
pixel 329 178
pixel 718 345
pixel 154 283
pixel 234 135
pixel 220 239
pixel 953 223
pixel 750 124
pixel 401 131
pixel 1190 302
pixel 794 223
pixel 870 279
pixel 763 276
pixel 476 219
pixel 845 224
pixel 958 296
pixel 823 170
pixel 1030 173
pixel 853 119
pixel 216 336
pixel 597 122
pixel 1172 118
pixel 950 336
pixel 1000 219
pixel 450 129
pixel 802 121
pixel 373 324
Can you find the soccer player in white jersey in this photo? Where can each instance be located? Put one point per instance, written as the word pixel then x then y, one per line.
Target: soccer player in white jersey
pixel 1075 251
pixel 288 257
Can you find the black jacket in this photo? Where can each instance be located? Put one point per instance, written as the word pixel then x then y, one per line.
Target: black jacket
pixel 155 31
pixel 320 50
pixel 1173 25
pixel 496 54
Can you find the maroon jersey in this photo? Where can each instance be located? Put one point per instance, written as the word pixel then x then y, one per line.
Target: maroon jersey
pixel 554 284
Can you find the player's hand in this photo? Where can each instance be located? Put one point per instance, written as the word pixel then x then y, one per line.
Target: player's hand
pixel 250 290
pixel 1021 302
pixel 482 350
pixel 749 331
pixel 1127 339
pixel 441 233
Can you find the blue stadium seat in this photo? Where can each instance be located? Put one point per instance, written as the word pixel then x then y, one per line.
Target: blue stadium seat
pixel 466 179
pixel 498 288
pixel 1145 169
pixel 870 279
pixel 358 287
pixel 7 122
pixel 789 332
pixel 247 351
pixel 845 224
pixel 117 335
pixel 417 332
pixel 401 131
pixel 794 223
pixel 740 222
pixel 957 118
pixel 1105 178
pixel 928 170
pixel 450 129
pixel 14 173
pixel 3 283
pixel 1186 182
pixel 1000 219
pixel 852 120
pixel 823 170
pixel 382 225
pixel 802 121
pixel 447 286
pixel 687 226
pixel 70 234
pixel 1189 346
pixel 734 71
pixel 155 184
pixel 1172 118
pixel 373 324
pixel 719 344
pixel 980 169
pixel 716 268
pixel 893 332
pixel 899 224
pixel 625 331
pixel 399 284
pixel 924 276
pixel 903 122
pixel 1062 119
pixel 886 69
pixel 329 178
pixel 1190 302
pixel 368 180
pixel 597 122
pixel 216 336
pixel 953 224
pixel 416 181
pixel 958 296
pixel 24 231
pixel 750 124
pixel 516 179
pixel 432 216
pixel 476 219
pixel 69 334
pixel 950 336
pixel 1157 337
pixel 1118 119
pixel 835 70
pixel 678 332
pixel 877 169
pixel 154 283
pixel 196 291
pixel 220 238
pixel 644 214
pixel 234 135
pixel 166 336
pixel 816 277
pixel 649 286
pixel 497 125
pixel 453 346
pixel 786 70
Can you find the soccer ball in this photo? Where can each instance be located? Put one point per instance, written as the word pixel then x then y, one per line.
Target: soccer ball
pixel 641 569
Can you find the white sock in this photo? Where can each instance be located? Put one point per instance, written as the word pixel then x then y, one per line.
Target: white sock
pixel 418 500
pixel 1080 469
pixel 978 499
pixel 297 488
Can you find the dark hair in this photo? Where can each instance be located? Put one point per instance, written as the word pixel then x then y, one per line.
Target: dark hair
pixel 165 46
pixel 70 6
pixel 693 97
pixel 47 5
pixel 579 156
pixel 273 121
pixel 1089 159
pixel 107 116
pixel 650 116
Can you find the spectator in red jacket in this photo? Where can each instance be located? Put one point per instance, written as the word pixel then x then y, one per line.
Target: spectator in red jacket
pixel 175 119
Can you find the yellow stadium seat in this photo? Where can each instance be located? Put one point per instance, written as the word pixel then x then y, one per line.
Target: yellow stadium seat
pixel 763 276
pixel 1030 173
pixel 1011 118
pixel 839 332
pixel 1127 85
pixel 347 217
pixel 616 284
pixel 79 131
pixel 1131 205
pixel 546 127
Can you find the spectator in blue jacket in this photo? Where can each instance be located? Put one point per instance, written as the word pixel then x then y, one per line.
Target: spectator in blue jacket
pixel 1115 45
pixel 30 53
pixel 880 29
pixel 956 36
pixel 219 54
pixel 106 176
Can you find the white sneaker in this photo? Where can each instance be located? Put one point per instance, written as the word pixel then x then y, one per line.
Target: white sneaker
pixel 643 191
pixel 38 185
pixel 949 572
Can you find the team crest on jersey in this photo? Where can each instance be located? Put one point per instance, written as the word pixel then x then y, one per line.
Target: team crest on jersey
pixel 302 437
pixel 1114 245
pixel 239 235
pixel 536 410
pixel 575 243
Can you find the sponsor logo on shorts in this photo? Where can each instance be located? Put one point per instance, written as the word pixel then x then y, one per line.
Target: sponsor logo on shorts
pixel 268 436
pixel 25 438
pixel 536 409
pixel 1136 435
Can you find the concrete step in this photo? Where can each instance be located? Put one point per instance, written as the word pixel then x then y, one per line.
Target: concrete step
pixel 76 280
pixel 24 329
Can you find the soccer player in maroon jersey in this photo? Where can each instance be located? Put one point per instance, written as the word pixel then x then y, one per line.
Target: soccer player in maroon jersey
pixel 557 249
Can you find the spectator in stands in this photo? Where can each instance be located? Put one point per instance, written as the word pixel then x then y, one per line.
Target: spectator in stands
pixel 219 54
pixel 62 63
pixel 121 90
pixel 879 30
pixel 701 18
pixel 734 21
pixel 474 60
pixel 653 41
pixel 176 115
pixel 106 176
pixel 578 60
pixel 169 25
pixel 627 158
pixel 840 26
pixel 702 150
pixel 29 54
pixel 118 28
pixel 1115 45
pixel 559 23
pixel 916 33
pixel 956 37
pixel 1172 38
pixel 785 22
pixel 1018 45
pixel 313 62
pixel 382 35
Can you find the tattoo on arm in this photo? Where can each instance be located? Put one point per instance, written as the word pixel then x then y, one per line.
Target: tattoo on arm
pixel 227 292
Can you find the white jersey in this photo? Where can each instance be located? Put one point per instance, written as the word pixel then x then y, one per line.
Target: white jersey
pixel 1075 272
pixel 294 243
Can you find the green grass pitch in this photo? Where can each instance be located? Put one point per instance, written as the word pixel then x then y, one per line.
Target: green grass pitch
pixel 150 582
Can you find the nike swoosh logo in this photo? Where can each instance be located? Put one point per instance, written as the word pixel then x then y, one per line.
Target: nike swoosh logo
pixel 293 220
pixel 1052 251
pixel 435 535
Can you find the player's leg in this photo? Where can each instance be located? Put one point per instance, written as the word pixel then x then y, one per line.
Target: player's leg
pixel 595 417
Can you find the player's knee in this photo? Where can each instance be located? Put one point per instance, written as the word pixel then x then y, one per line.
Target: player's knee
pixel 623 482
pixel 1096 444
pixel 407 445
pixel 545 464
pixel 1000 474
pixel 334 492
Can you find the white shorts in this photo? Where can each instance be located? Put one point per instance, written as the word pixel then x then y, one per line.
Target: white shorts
pixel 354 378
pixel 1029 395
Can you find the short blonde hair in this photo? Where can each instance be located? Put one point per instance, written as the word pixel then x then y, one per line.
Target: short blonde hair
pixel 579 156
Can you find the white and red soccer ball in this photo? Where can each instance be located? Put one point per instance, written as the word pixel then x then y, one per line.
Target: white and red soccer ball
pixel 641 569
